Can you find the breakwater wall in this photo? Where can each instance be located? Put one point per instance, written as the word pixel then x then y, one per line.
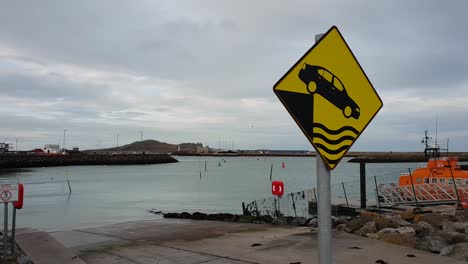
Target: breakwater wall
pixel 31 160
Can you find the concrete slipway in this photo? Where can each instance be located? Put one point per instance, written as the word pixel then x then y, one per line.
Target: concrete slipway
pixel 191 241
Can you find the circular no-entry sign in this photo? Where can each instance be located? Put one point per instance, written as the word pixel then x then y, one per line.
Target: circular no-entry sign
pixel 5 196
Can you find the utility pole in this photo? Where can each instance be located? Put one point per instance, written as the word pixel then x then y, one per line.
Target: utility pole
pixel 16 144
pixel 118 140
pixel 141 135
pixel 64 148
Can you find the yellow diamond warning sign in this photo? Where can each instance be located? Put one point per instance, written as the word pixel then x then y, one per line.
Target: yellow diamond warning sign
pixel 329 96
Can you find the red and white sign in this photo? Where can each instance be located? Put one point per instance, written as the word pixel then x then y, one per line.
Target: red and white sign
pixel 8 190
pixel 277 188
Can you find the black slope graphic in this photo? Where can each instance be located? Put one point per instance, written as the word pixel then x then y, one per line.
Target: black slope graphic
pixel 301 107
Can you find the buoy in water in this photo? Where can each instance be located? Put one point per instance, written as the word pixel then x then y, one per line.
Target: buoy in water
pixel 283 166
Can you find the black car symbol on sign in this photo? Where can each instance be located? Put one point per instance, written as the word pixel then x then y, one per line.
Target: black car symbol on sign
pixel 321 81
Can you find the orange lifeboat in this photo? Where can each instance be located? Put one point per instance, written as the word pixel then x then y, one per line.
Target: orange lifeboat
pixel 437 171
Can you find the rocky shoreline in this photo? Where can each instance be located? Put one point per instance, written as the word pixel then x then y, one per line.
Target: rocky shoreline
pixel 444 232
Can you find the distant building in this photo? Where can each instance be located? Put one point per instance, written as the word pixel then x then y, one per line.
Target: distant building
pixel 76 149
pixel 187 147
pixel 51 149
pixel 4 147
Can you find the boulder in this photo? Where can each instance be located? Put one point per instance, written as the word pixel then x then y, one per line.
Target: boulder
pixel 447 226
pixel 432 243
pixel 198 216
pixel 185 215
pixel 355 225
pixel 313 222
pixel 247 219
pixel 399 239
pixel 278 221
pixel 267 219
pixel 408 214
pixel 341 220
pixel 406 230
pixel 460 251
pixel 298 221
pixel 340 227
pixel 386 231
pixel 382 222
pixel 452 237
pixel 369 215
pixel 171 215
pixel 426 228
pixel 432 218
pixel 367 228
pixel 399 220
pixel 461 215
pixel 447 251
pixel 419 230
pixel 461 227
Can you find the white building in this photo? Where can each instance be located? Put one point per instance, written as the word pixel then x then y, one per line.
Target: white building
pixel 51 148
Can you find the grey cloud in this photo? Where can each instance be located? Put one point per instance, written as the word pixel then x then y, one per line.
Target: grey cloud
pixel 218 53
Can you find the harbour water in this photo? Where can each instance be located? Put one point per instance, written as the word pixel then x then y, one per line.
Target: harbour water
pixel 108 194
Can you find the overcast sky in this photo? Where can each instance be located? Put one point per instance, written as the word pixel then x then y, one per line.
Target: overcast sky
pixel 203 71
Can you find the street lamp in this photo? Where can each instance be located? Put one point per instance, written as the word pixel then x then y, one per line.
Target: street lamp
pixel 64 140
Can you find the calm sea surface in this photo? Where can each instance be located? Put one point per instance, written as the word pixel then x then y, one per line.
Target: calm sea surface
pixel 108 194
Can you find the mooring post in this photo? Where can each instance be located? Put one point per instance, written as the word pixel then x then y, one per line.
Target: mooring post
pixel 362 178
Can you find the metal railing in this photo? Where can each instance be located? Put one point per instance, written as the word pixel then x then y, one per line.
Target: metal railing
pixel 392 194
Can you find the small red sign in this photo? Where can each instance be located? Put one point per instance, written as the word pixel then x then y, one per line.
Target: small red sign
pixel 277 188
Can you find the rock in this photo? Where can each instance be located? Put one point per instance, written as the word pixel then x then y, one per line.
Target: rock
pixel 386 231
pixel 24 260
pixel 278 221
pixel 367 228
pixel 199 216
pixel 406 230
pixel 427 228
pixel 399 220
pixel 267 219
pixel 447 226
pixel 340 227
pixel 185 215
pixel 408 214
pixel 171 215
pixel 355 225
pixel 313 222
pixel 432 243
pixel 373 236
pixel 341 220
pixel 419 230
pixel 461 215
pixel 447 251
pixel 299 221
pixel 432 218
pixel 452 237
pixel 461 227
pixel 399 239
pixel 247 219
pixel 460 251
pixel 369 215
pixel 382 222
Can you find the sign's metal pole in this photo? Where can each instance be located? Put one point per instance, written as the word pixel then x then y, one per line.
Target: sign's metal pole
pixel 13 229
pixel 324 206
pixel 5 234
pixel 324 212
